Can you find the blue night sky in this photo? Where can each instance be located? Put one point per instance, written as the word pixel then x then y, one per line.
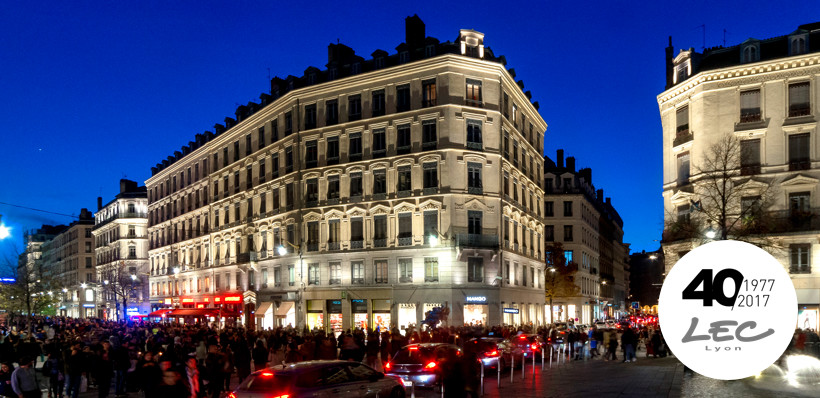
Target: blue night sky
pixel 95 91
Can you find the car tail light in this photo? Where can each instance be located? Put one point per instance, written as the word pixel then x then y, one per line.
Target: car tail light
pixel 388 366
pixel 534 347
pixel 430 365
pixel 231 395
pixel 413 348
pixel 282 396
pixel 493 353
pixel 267 374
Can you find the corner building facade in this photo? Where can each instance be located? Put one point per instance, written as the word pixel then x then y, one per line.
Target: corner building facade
pixel 765 93
pixel 363 195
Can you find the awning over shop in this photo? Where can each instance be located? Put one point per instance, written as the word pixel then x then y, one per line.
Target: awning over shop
pixel 284 308
pixel 263 308
pixel 191 312
pixel 159 313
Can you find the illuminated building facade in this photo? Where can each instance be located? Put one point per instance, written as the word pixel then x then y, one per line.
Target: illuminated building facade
pixel 364 194
pixel 69 257
pixel 765 93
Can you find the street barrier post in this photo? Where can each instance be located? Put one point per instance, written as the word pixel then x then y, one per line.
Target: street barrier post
pixel 512 369
pixel 482 376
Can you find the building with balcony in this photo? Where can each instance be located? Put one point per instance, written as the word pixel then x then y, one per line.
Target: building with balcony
pixel 32 264
pixel 121 250
pixel 69 257
pixel 362 194
pixel 765 93
pixel 591 233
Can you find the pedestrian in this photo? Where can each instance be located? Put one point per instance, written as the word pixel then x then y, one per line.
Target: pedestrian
pixel 612 347
pixel 172 385
pixel 24 380
pixel 260 356
pixel 149 375
pixel 75 366
pixel 593 342
pixel 5 380
pixel 53 369
pixel 192 381
pixel 103 370
pixel 628 341
pixel 214 365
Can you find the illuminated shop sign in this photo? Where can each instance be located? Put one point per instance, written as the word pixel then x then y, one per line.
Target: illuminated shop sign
pixel 510 310
pixel 477 299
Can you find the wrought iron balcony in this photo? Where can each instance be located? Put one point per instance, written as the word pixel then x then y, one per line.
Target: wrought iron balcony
pixel 406 279
pixel 429 146
pixel 683 137
pixel 379 153
pixel 332 245
pixel 403 150
pixel 357 244
pixel 800 270
pixel 750 117
pixel 379 242
pixel 475 190
pixel 799 110
pixel 430 191
pixel 405 241
pixel 477 241
pixel 312 247
pixel 475 146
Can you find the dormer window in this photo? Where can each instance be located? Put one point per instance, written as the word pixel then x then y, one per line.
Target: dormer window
pixel 379 62
pixel 430 50
pixel 681 72
pixel 290 84
pixel 404 57
pixel 751 53
pixel 331 74
pixel 311 78
pixel 355 68
pixel 797 45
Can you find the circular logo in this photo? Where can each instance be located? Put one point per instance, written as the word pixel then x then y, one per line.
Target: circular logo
pixel 727 310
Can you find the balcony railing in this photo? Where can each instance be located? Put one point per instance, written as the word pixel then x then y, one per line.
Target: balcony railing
pixel 475 145
pixel 799 165
pixel 403 150
pixel 354 157
pixel 431 278
pixel 683 137
pixel 750 117
pixel 120 216
pixel 357 281
pixel 428 146
pixel 477 241
pixel 475 190
pixel 380 280
pixel 430 191
pixel 801 110
pixel 379 153
pixel 335 281
pixel 379 242
pixel 799 269
pixel 332 245
pixel 406 279
pixel 749 170
pixel 405 241
pixel 357 244
pixel 312 247
pixel 404 193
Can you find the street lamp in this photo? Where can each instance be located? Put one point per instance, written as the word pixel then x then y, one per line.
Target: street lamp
pixel 710 233
pixel 433 239
pixel 133 277
pixel 5 231
pixel 176 270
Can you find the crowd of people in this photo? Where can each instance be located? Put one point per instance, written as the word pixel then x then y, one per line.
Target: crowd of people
pixel 199 360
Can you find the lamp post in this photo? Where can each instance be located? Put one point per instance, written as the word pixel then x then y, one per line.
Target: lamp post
pixel 5 231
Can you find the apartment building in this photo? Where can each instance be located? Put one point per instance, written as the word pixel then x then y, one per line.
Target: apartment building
pixel 69 258
pixel 364 194
pixel 764 92
pixel 121 251
pixel 590 231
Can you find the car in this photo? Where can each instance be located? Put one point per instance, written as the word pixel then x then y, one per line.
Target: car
pixel 420 365
pixel 495 353
pixel 527 345
pixel 318 379
pixel 601 325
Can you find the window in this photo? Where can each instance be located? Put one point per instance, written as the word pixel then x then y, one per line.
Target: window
pixel 355 184
pixel 236 150
pixel 799 152
pixel 430 50
pixel 331 112
pixel 276 200
pixel 515 273
pixel 332 155
pixel 288 124
pixel 260 132
pixel 274 136
pixel 799 102
pixel 548 209
pixel 567 233
pixel 682 119
pixel 333 234
pixel 431 269
pixel 430 225
pixel 312 191
pixel 313 236
pixel 681 72
pixel 354 107
pixel 750 157
pixel 684 214
pixel 236 182
pixel 506 184
pixel 749 206
pixel 354 148
pixel 261 171
pixel 751 53
pixel 356 232
pixel 475 269
pixel 380 231
pixel 429 139
pixel 474 134
pixel 474 222
pixel 405 229
pixel 277 276
pixel 311 154
pixel 430 175
pixel 799 204
pixel 333 187
pixel 310 116
pixel 405 270
pixel 249 177
pixel 800 259
pixel 474 183
pixel 313 274
pixel 524 271
pixel 568 256
pixel 288 159
pixel 379 182
pixel 404 180
pixel 428 92
pixel 355 68
pixel 335 273
pixel 403 98
pixel 403 139
pixel 381 271
pixel 473 95
pixel 357 272
pixel 379 144
pixel 683 168
pixel 379 62
pixel 797 45
pixel 378 103
pixel 549 233
pixel 274 165
pixel 88 259
pixel 291 275
pixel 568 209
pixel 749 106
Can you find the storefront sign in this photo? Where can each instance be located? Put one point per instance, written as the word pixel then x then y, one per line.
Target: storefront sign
pixel 477 299
pixel 233 299
pixel 89 305
pixel 132 311
pixel 187 300
pixel 511 310
pixel 167 301
pixel 334 306
pixel 358 306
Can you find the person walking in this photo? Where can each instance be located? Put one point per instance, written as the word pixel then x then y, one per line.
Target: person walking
pixel 24 380
pixel 53 369
pixel 260 356
pixel 5 380
pixel 103 373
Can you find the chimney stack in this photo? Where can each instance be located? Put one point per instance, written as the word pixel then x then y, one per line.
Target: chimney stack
pixel 99 203
pixel 559 161
pixel 571 163
pixel 600 195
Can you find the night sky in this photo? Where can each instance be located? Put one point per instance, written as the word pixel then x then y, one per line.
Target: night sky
pixel 96 91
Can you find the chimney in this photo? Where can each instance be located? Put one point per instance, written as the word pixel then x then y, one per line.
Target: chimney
pixel 559 161
pixel 99 203
pixel 85 214
pixel 600 195
pixel 670 63
pixel 609 202
pixel 414 32
pixel 571 163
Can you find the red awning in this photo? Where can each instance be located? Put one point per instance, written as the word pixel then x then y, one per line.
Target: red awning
pixel 191 312
pixel 159 313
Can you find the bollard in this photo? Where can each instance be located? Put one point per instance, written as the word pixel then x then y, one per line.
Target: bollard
pixel 543 352
pixel 523 362
pixel 498 372
pixel 412 390
pixel 442 389
pixel 512 368
pixel 551 349
pixel 482 376
pixel 533 362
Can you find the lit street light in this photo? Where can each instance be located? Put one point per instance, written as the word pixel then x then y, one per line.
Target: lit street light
pixel 5 231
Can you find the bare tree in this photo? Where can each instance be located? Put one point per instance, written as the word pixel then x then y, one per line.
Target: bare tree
pixel 119 282
pixel 732 199
pixel 34 290
pixel 560 275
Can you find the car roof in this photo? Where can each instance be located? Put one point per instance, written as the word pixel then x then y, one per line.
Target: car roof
pixel 429 345
pixel 307 365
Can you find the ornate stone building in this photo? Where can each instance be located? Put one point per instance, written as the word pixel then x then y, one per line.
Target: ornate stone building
pixel 362 194
pixel 69 256
pixel 764 93
pixel 121 250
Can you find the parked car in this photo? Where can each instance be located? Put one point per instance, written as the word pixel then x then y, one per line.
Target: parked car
pixel 527 345
pixel 421 364
pixel 319 379
pixel 493 352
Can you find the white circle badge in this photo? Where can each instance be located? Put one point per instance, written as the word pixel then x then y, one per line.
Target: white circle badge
pixel 727 310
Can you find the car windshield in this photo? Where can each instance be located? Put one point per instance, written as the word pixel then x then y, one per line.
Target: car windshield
pixel 413 355
pixel 266 381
